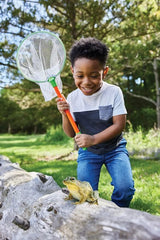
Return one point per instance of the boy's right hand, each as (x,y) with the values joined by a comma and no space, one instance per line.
(62,105)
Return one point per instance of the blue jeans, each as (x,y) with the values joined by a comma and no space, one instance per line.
(118,165)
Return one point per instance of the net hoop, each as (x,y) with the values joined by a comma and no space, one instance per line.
(29,36)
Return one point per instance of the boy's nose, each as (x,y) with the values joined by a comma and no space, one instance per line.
(86,81)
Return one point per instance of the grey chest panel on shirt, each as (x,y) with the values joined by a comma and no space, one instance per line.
(92,122)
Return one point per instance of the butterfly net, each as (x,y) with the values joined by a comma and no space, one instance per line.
(40,56)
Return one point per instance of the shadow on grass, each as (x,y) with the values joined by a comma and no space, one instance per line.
(21,159)
(27,141)
(21,142)
(10,139)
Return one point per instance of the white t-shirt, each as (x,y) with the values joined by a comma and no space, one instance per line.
(94,113)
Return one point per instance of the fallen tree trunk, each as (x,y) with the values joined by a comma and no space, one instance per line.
(32,207)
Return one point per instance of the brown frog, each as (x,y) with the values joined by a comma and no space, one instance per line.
(80,190)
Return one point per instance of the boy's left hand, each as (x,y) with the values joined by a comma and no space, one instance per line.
(84,140)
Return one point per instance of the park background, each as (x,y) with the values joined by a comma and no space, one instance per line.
(30,128)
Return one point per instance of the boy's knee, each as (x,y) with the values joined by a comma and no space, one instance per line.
(123,195)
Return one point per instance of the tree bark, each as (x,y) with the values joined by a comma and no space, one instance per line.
(32,207)
(9,128)
(156,75)
(157,102)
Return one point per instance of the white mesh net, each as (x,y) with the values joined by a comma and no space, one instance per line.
(41,56)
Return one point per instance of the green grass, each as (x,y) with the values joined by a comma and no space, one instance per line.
(33,153)
(32,148)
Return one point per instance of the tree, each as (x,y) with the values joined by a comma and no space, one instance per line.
(130,29)
(138,54)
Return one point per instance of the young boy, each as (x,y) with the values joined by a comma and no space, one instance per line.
(99,111)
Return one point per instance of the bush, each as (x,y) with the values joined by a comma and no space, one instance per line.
(143,143)
(56,135)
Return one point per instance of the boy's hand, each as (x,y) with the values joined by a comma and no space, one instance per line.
(62,105)
(84,140)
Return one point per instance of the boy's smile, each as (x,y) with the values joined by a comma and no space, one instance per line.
(88,75)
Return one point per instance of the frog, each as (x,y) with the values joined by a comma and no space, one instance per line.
(80,190)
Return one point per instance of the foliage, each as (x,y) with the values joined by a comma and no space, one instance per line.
(25,112)
(35,154)
(134,57)
(145,117)
(55,135)
(143,143)
(130,29)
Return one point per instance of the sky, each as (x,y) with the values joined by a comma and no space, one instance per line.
(7,78)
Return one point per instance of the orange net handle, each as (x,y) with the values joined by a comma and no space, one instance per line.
(74,125)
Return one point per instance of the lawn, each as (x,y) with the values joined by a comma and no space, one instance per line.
(33,153)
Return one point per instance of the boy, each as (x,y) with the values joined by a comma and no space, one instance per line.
(99,111)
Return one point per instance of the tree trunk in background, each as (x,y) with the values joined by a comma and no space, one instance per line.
(9,128)
(35,129)
(156,74)
(157,102)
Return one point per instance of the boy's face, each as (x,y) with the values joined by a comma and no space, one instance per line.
(88,75)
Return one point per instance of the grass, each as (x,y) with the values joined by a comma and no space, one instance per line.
(34,153)
(26,149)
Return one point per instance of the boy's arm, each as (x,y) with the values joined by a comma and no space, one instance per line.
(119,121)
(114,130)
(67,127)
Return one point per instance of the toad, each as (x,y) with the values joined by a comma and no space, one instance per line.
(80,190)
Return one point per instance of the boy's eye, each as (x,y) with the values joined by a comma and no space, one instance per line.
(95,76)
(92,76)
(79,76)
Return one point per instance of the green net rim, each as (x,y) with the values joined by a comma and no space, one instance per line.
(52,34)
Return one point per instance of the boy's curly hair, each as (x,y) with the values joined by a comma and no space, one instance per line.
(90,48)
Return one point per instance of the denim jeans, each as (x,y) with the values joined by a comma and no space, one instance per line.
(118,165)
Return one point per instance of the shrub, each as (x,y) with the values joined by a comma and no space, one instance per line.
(56,135)
(143,143)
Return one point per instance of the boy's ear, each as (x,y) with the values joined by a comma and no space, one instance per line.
(72,70)
(105,71)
